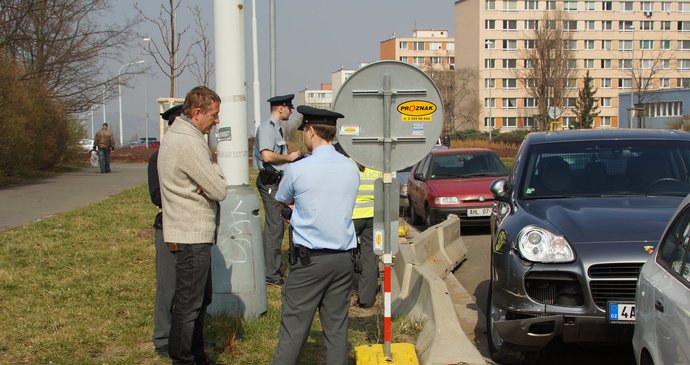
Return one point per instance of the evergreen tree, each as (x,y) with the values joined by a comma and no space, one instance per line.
(586,105)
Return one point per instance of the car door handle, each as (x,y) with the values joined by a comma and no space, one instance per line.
(658,306)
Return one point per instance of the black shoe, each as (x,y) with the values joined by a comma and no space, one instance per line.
(277,282)
(366,305)
(162,351)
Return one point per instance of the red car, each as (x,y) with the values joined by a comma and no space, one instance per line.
(454,181)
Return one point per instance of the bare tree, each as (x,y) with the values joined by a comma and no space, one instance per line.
(64,44)
(202,67)
(466,99)
(165,51)
(548,64)
(445,82)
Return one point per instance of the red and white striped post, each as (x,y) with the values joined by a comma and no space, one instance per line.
(387,267)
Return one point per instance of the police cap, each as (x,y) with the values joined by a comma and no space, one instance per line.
(172,113)
(317,116)
(285,100)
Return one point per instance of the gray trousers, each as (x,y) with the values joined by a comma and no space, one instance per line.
(366,282)
(274,229)
(325,285)
(165,291)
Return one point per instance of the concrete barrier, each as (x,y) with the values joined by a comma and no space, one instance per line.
(418,290)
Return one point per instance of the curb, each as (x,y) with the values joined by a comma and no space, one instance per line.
(419,290)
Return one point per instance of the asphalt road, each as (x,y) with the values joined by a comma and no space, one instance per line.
(473,274)
(41,198)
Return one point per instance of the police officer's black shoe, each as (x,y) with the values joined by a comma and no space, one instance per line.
(163,351)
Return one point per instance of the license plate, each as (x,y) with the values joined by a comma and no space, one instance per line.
(479,212)
(621,312)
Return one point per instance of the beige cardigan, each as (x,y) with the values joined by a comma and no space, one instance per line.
(184,164)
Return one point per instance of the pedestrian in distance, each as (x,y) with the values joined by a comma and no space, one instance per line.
(165,260)
(105,143)
(271,158)
(191,187)
(320,259)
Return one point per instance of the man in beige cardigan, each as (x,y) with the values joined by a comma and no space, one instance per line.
(191,186)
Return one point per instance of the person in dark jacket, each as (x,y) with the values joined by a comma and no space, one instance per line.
(165,260)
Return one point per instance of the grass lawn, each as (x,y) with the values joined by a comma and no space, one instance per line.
(78,288)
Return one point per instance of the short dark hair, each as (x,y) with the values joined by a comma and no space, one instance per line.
(105,124)
(199,97)
(326,132)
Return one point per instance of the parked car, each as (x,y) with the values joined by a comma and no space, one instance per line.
(403,175)
(569,233)
(662,300)
(86,144)
(453,181)
(141,143)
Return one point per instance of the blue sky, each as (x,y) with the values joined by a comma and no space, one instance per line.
(314,38)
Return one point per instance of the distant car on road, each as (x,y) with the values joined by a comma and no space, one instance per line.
(570,232)
(662,300)
(453,181)
(141,143)
(86,144)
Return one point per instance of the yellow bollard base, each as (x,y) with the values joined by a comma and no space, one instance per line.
(401,354)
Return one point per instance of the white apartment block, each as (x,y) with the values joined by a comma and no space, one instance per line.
(609,38)
(426,49)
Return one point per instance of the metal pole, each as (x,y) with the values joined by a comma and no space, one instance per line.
(92,131)
(387,180)
(119,95)
(272,43)
(632,74)
(103,102)
(255,68)
(146,110)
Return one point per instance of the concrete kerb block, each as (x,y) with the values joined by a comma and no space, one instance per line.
(452,245)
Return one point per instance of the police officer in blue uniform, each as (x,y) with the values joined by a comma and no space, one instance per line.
(271,157)
(321,189)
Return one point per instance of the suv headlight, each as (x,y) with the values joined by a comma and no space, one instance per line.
(444,200)
(539,245)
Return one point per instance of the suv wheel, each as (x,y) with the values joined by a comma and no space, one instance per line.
(414,218)
(497,348)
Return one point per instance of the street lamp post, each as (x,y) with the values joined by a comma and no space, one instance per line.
(491,85)
(146,101)
(119,94)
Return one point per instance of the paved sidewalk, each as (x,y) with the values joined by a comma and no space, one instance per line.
(43,198)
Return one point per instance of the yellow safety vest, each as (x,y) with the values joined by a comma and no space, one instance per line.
(364,205)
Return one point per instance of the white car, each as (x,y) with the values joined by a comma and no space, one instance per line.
(662,301)
(86,144)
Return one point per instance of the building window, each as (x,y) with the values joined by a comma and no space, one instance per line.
(606,63)
(589,64)
(510,25)
(489,122)
(665,108)
(646,25)
(570,45)
(490,4)
(531,24)
(625,64)
(509,84)
(646,44)
(489,102)
(684,64)
(418,46)
(510,45)
(625,45)
(665,83)
(450,46)
(606,102)
(509,103)
(626,6)
(590,6)
(570,5)
(529,83)
(665,44)
(571,83)
(605,121)
(684,45)
(589,43)
(572,64)
(570,26)
(551,5)
(435,46)
(624,83)
(509,63)
(530,103)
(646,64)
(451,61)
(490,24)
(490,63)
(607,5)
(684,6)
(510,122)
(605,83)
(665,64)
(665,6)
(530,44)
(647,6)
(490,44)
(528,122)
(590,25)
(606,44)
(665,25)
(403,59)
(436,60)
(490,83)
(684,25)
(510,5)
(528,63)
(683,82)
(606,25)
(417,60)
(569,122)
(403,45)
(625,25)
(531,5)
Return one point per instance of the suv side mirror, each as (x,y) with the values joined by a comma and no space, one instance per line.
(500,189)
(418,176)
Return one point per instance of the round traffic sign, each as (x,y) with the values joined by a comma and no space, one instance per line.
(389,104)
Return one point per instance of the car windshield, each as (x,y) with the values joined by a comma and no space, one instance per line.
(607,168)
(466,165)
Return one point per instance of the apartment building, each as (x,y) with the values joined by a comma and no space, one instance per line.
(610,38)
(426,49)
(321,98)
